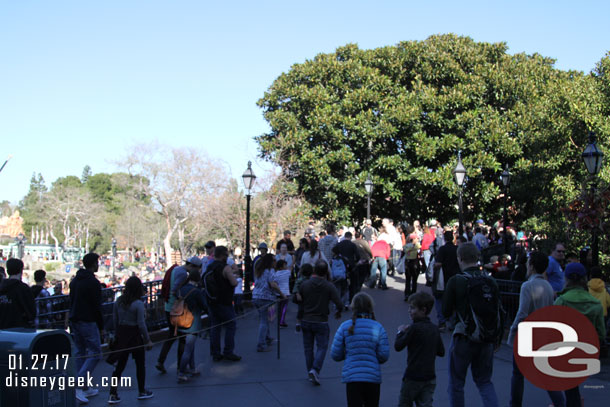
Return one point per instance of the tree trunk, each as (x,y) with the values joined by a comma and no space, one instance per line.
(87,239)
(56,243)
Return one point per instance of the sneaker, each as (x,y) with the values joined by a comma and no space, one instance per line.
(297,327)
(217,358)
(147,394)
(232,357)
(161,368)
(80,396)
(193,372)
(384,287)
(182,378)
(284,325)
(90,392)
(114,399)
(270,341)
(313,375)
(263,349)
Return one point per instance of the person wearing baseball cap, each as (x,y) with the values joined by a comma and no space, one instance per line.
(178,278)
(576,295)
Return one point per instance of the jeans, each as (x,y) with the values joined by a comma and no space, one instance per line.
(427,256)
(87,341)
(382,264)
(263,321)
(168,343)
(516,390)
(573,397)
(318,332)
(479,356)
(361,394)
(341,286)
(188,357)
(438,305)
(417,392)
(395,257)
(220,315)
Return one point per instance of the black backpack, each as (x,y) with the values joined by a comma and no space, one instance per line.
(485,316)
(211,280)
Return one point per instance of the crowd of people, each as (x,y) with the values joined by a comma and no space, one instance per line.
(326,273)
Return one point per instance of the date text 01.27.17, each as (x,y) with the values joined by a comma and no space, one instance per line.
(38,362)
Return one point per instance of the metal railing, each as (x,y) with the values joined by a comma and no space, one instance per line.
(509,294)
(53,311)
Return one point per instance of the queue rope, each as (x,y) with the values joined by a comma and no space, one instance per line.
(103,354)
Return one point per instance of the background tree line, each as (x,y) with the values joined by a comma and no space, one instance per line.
(172,198)
(401,113)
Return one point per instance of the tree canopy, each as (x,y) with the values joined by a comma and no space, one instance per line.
(401,113)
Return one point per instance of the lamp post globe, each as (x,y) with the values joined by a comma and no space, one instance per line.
(459,172)
(593,158)
(368,186)
(249,178)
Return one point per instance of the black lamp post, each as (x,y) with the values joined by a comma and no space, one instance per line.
(20,239)
(368,186)
(113,256)
(248,178)
(459,172)
(506,182)
(593,158)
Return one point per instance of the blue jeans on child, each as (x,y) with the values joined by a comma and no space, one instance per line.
(188,356)
(479,356)
(317,332)
(263,321)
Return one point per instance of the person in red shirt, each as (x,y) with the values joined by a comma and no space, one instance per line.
(427,240)
(381,253)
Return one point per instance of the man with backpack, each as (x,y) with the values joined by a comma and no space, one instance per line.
(475,298)
(177,277)
(219,284)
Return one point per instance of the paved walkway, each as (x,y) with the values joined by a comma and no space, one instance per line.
(260,379)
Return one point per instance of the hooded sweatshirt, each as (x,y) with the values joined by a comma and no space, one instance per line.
(597,288)
(580,299)
(17,307)
(86,298)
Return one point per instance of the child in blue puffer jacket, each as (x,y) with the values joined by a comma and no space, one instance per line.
(363,344)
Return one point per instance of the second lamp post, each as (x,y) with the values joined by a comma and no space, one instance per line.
(593,157)
(248,177)
(506,182)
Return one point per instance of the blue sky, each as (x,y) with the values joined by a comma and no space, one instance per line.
(81,82)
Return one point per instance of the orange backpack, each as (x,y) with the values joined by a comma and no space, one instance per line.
(180,316)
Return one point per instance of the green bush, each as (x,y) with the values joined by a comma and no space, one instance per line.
(52,266)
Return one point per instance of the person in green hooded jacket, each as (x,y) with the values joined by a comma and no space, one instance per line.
(576,295)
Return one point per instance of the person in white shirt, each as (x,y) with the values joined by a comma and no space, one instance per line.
(282,277)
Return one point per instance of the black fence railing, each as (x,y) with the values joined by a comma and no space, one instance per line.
(53,311)
(509,294)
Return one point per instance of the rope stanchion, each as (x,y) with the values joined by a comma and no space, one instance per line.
(103,354)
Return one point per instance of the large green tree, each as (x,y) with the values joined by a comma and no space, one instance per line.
(400,114)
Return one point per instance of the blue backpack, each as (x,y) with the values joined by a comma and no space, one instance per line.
(337,269)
